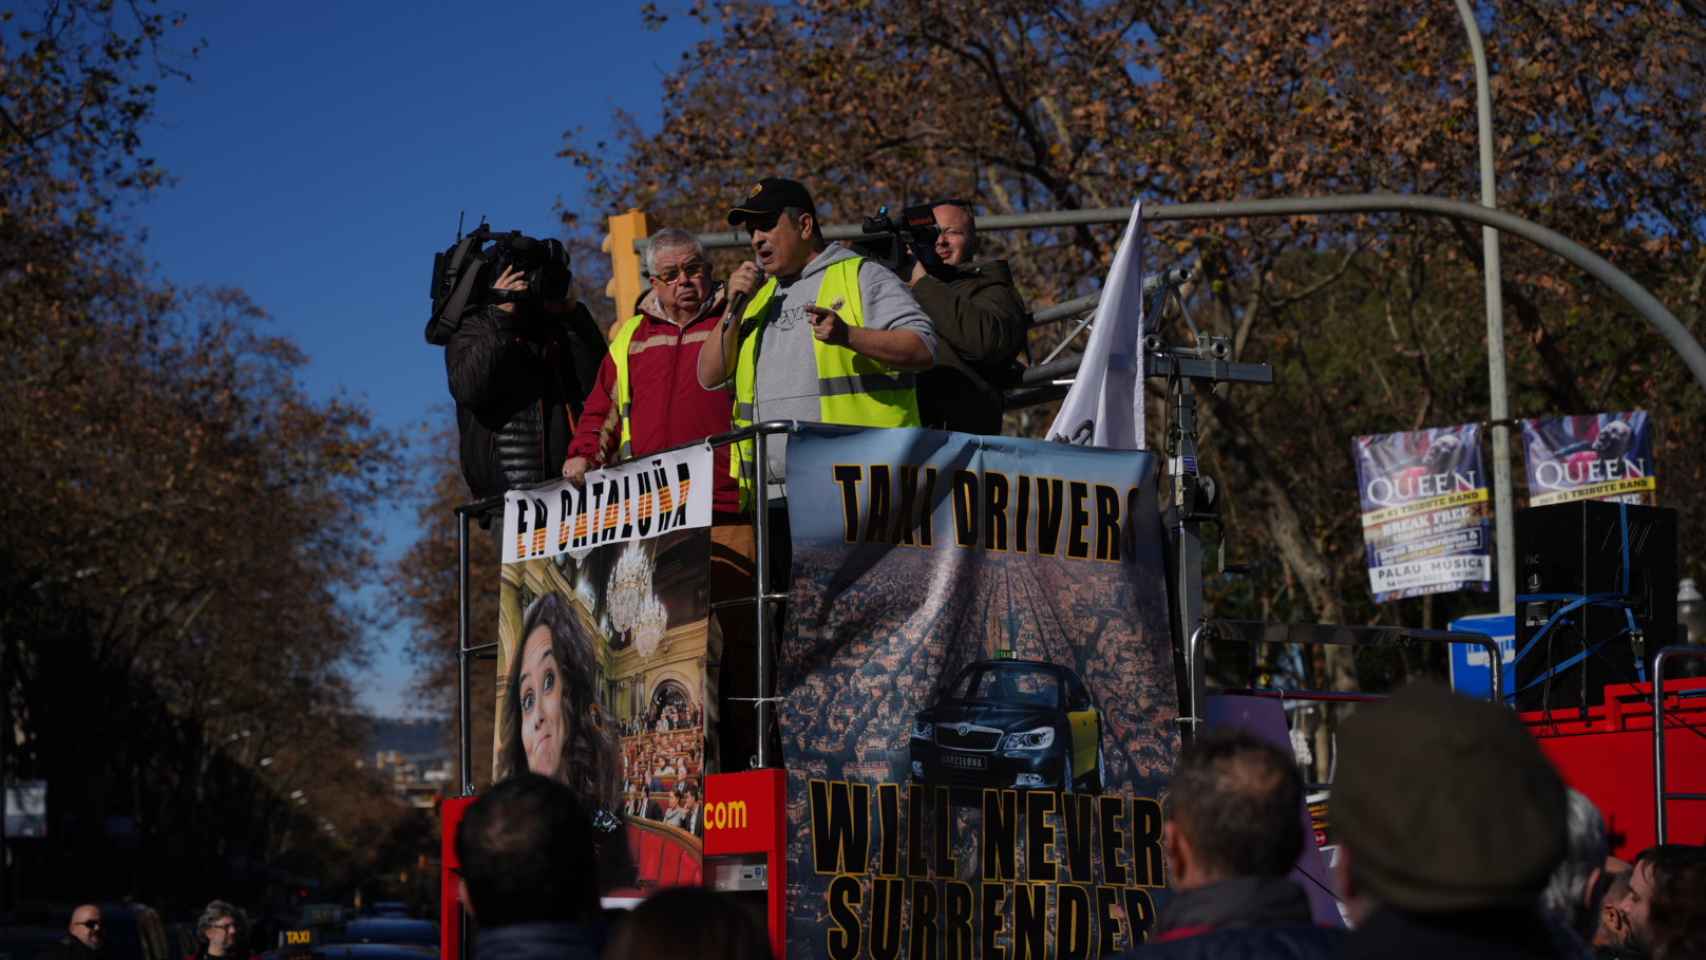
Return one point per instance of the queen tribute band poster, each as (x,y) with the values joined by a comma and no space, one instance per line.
(1426,511)
(1601,456)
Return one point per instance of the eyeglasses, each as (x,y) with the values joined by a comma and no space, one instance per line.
(691,271)
(763,221)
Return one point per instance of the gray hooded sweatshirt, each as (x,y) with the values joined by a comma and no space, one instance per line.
(786,378)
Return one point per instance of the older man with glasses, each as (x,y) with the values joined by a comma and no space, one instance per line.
(219,931)
(647,398)
(84,937)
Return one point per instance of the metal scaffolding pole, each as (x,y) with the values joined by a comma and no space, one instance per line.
(1636,296)
(1498,400)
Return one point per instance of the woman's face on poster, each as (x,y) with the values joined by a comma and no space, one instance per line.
(543,726)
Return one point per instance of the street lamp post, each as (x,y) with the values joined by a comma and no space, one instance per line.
(1498,407)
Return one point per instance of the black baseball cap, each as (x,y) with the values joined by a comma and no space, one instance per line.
(772,195)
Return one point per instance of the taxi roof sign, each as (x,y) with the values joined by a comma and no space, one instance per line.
(1004,655)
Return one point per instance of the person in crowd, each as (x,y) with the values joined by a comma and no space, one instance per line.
(1450,823)
(1570,897)
(219,930)
(1231,833)
(518,372)
(1654,876)
(553,724)
(85,937)
(686,812)
(689,922)
(829,336)
(1677,915)
(528,872)
(1613,937)
(980,324)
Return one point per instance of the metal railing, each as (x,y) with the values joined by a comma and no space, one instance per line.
(1309,634)
(1661,793)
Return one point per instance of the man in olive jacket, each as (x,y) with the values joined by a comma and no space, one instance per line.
(980,326)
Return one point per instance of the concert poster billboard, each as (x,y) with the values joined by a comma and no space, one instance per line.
(1601,456)
(1426,513)
(979,697)
(604,646)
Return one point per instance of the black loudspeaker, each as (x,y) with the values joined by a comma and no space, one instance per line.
(1591,548)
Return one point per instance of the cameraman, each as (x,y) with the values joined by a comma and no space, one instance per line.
(520,367)
(980,326)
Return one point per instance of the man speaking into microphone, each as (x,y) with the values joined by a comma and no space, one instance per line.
(829,336)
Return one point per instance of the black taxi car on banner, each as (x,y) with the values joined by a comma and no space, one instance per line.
(1011,724)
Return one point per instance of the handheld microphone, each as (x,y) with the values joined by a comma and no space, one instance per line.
(737,304)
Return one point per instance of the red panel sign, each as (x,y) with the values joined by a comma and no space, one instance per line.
(744,812)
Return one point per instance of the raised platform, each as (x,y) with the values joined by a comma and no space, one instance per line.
(1608,755)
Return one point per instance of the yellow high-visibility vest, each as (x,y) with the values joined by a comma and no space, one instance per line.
(624,390)
(852,389)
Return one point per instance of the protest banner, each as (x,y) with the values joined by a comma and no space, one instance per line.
(604,647)
(980,701)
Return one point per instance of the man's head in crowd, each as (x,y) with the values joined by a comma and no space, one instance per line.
(680,273)
(218,926)
(783,221)
(1652,879)
(1614,929)
(689,922)
(1569,895)
(1677,916)
(956,232)
(1232,809)
(86,926)
(526,848)
(1444,804)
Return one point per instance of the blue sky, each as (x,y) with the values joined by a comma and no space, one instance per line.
(322,152)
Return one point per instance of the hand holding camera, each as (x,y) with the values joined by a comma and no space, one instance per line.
(513,282)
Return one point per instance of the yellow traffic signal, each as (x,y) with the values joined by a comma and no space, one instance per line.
(625,281)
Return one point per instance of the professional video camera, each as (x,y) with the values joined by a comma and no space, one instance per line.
(898,245)
(463,274)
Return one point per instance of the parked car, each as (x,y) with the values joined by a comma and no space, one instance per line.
(1011,724)
(388,930)
(354,951)
(25,941)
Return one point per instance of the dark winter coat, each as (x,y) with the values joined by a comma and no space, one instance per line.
(69,948)
(519,380)
(540,941)
(980,331)
(1245,917)
(1481,935)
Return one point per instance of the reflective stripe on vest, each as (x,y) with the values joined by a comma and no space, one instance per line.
(624,390)
(852,389)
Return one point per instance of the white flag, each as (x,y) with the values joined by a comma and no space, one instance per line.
(1104,408)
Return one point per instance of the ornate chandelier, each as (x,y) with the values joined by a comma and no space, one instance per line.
(633,604)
